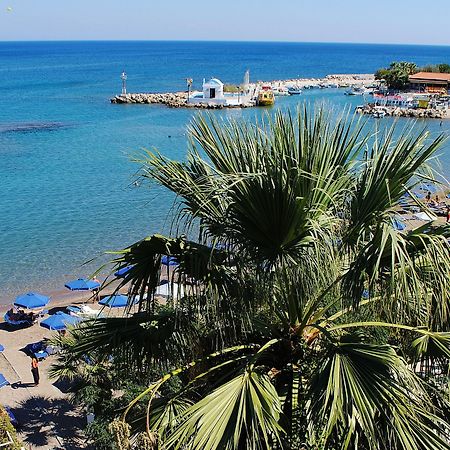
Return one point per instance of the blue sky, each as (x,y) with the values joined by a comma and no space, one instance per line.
(384,21)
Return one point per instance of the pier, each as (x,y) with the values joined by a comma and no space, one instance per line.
(180,99)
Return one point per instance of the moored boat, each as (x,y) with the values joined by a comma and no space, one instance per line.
(294,90)
(265,96)
(280,91)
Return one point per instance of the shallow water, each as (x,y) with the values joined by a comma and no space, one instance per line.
(66,173)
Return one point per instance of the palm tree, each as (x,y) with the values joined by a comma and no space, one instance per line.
(305,312)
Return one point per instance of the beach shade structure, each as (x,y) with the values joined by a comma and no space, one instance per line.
(31,301)
(122,272)
(169,260)
(429,187)
(1,348)
(398,224)
(3,381)
(82,284)
(114,301)
(59,321)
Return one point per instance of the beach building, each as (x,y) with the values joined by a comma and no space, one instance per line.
(213,94)
(430,82)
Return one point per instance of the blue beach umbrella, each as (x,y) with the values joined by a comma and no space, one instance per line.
(59,321)
(114,301)
(1,348)
(169,261)
(82,285)
(418,195)
(31,300)
(429,187)
(122,272)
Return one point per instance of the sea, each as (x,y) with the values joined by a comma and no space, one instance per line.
(68,190)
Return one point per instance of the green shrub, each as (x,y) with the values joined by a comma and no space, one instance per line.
(8,432)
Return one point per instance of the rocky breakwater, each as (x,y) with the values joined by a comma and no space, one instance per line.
(170,99)
(416,113)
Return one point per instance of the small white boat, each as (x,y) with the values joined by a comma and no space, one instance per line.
(280,91)
(294,90)
(355,91)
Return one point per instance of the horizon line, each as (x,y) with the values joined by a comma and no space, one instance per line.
(225,41)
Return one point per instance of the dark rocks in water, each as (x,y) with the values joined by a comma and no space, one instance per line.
(31,127)
(393,111)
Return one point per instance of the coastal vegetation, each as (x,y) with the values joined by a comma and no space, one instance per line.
(8,436)
(303,318)
(397,74)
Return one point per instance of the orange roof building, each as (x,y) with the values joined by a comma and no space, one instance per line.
(431,82)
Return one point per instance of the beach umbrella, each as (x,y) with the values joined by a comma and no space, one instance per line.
(114,301)
(122,272)
(428,187)
(82,284)
(59,321)
(32,300)
(1,348)
(169,260)
(418,195)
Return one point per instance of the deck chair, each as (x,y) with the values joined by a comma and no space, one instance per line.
(3,381)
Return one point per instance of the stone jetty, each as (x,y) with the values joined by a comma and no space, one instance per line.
(179,99)
(170,99)
(429,113)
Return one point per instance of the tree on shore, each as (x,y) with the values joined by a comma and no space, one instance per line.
(303,318)
(397,74)
(438,68)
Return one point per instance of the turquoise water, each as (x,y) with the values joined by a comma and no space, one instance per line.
(66,174)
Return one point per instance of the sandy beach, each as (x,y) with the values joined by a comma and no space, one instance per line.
(47,420)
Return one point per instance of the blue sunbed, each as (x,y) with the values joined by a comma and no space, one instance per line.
(3,381)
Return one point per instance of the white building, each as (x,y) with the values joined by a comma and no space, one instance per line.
(213,94)
(213,89)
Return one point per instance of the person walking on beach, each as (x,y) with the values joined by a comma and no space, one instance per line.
(35,370)
(96,291)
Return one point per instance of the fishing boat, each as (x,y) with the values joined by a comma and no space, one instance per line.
(265,96)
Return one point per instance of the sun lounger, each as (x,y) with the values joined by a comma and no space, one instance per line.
(84,311)
(424,217)
(3,381)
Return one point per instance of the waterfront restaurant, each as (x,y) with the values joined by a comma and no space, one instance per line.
(430,82)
